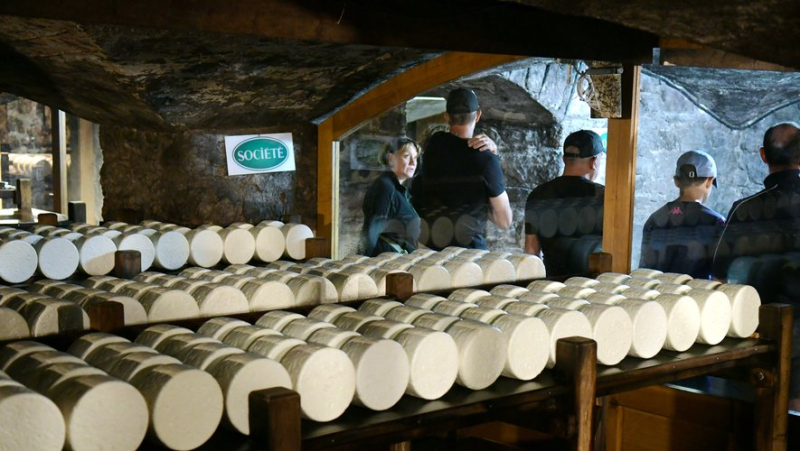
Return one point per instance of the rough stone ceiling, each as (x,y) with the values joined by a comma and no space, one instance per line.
(210,65)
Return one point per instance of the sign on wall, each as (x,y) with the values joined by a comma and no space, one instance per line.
(254,154)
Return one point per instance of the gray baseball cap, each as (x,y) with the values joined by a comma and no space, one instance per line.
(696,164)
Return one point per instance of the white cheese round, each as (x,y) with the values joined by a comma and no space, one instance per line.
(611,288)
(48,376)
(325,379)
(277,319)
(87,343)
(497,270)
(715,315)
(429,278)
(703,284)
(405,314)
(217,328)
(216,299)
(129,365)
(171,249)
(18,261)
(649,321)
(239,245)
(329,312)
(177,344)
(11,352)
(296,236)
(274,346)
(566,303)
(164,304)
(527,266)
(612,329)
(482,352)
(53,316)
(467,295)
(604,298)
(304,327)
(583,282)
(205,248)
(353,286)
(384,329)
(547,286)
(96,254)
(267,294)
(673,277)
(525,308)
(354,321)
(683,321)
(528,345)
(424,300)
(745,303)
(636,282)
(270,242)
(575,292)
(382,371)
(378,306)
(641,293)
(497,302)
(30,421)
(154,335)
(138,242)
(244,336)
(312,290)
(107,356)
(484,315)
(453,308)
(463,273)
(331,336)
(432,359)
(14,325)
(618,278)
(563,323)
(646,273)
(435,321)
(204,355)
(509,291)
(194,272)
(673,288)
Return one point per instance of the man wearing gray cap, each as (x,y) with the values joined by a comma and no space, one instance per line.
(679,236)
(460,181)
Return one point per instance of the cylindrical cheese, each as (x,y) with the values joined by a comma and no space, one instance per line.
(304,327)
(433,361)
(274,346)
(217,328)
(575,292)
(646,273)
(715,314)
(423,300)
(527,266)
(267,294)
(205,247)
(510,291)
(270,243)
(329,312)
(30,420)
(331,336)
(204,355)
(563,323)
(467,295)
(86,344)
(296,236)
(649,321)
(277,319)
(616,278)
(463,273)
(745,303)
(528,345)
(604,298)
(498,302)
(673,288)
(137,242)
(239,245)
(96,254)
(683,321)
(453,308)
(497,270)
(673,277)
(172,249)
(482,353)
(382,371)
(154,335)
(245,335)
(325,379)
(612,329)
(58,257)
(547,286)
(18,261)
(378,306)
(13,325)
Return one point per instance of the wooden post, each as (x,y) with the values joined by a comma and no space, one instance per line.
(59,133)
(600,262)
(772,396)
(576,362)
(400,285)
(106,316)
(317,247)
(325,188)
(24,199)
(83,174)
(47,219)
(621,174)
(127,264)
(274,416)
(77,211)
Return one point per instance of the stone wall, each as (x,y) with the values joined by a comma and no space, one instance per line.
(182,178)
(669,125)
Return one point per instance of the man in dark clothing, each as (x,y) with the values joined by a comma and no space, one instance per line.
(680,236)
(564,217)
(760,243)
(460,183)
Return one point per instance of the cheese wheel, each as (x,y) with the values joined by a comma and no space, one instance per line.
(20,301)
(11,352)
(299,268)
(62,290)
(96,254)
(353,286)
(164,304)
(195,272)
(641,293)
(478,253)
(703,284)
(482,314)
(129,365)
(27,368)
(235,280)
(101,412)
(617,278)
(86,344)
(302,328)
(41,286)
(525,308)
(187,285)
(496,302)
(683,321)
(48,376)
(241,374)
(137,242)
(463,273)
(320,261)
(296,236)
(355,320)
(114,225)
(18,261)
(177,344)
(216,299)
(270,274)
(147,276)
(423,252)
(154,335)
(562,323)
(566,303)
(745,303)
(205,247)
(14,325)
(435,321)
(453,308)
(237,269)
(266,294)
(467,295)
(171,249)
(612,329)
(604,298)
(673,288)
(218,328)
(331,336)
(482,353)
(274,346)
(325,379)
(673,277)
(270,243)
(239,245)
(381,371)
(281,265)
(547,286)
(423,300)
(497,270)
(441,231)
(527,266)
(384,329)
(378,306)
(452,250)
(52,316)
(575,292)
(329,312)
(397,265)
(312,290)
(212,227)
(30,420)
(583,282)
(96,281)
(432,361)
(715,315)
(277,319)
(338,265)
(528,345)
(115,285)
(185,404)
(204,355)
(429,278)
(509,291)
(636,282)
(649,321)
(405,314)
(107,356)
(646,273)
(611,288)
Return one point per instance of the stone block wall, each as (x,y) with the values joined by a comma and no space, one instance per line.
(182,178)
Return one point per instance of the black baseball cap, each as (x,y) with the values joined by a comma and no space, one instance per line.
(587,142)
(461,101)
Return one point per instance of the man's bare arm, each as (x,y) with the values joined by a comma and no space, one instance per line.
(532,245)
(500,211)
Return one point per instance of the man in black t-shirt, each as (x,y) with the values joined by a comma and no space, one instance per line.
(680,236)
(564,217)
(460,182)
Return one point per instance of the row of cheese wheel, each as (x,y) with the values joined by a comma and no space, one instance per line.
(58,253)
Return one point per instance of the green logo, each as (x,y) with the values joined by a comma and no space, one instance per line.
(260,153)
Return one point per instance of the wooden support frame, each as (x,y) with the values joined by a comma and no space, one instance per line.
(59,134)
(621,174)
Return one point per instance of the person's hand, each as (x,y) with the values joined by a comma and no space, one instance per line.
(482,143)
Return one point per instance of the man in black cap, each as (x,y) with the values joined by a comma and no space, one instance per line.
(563,217)
(460,181)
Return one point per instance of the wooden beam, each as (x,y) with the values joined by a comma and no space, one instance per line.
(325,188)
(59,134)
(486,27)
(677,52)
(621,174)
(83,174)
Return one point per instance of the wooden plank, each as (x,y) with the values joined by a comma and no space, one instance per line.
(106,316)
(772,401)
(59,136)
(621,174)
(275,419)
(24,200)
(400,285)
(679,52)
(317,247)
(576,361)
